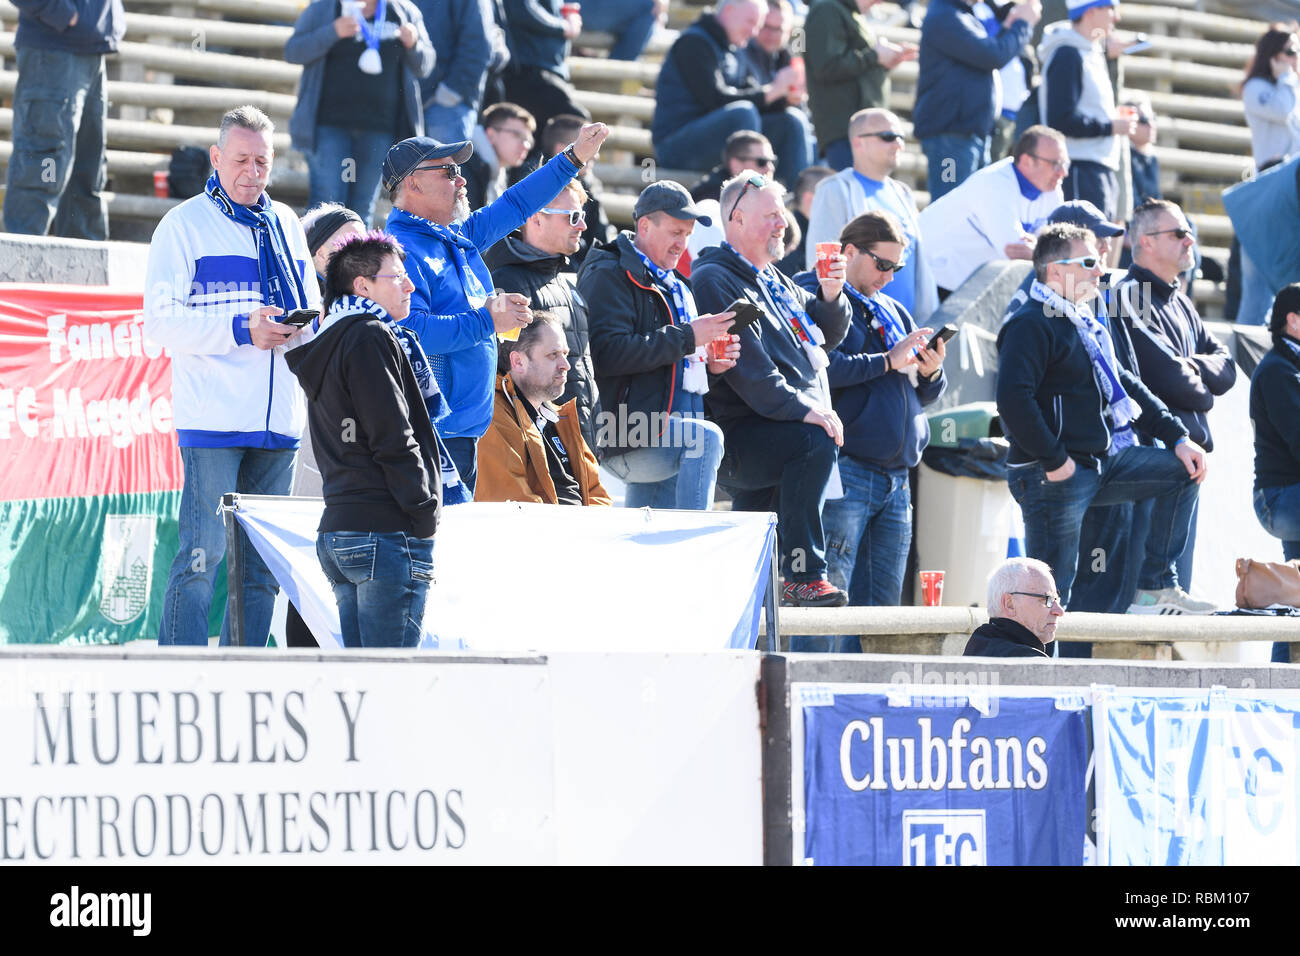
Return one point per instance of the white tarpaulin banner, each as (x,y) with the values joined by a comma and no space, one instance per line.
(522,577)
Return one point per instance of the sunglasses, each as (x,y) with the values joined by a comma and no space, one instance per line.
(1180,233)
(453,170)
(576,216)
(889,136)
(758,182)
(1291,51)
(1088,262)
(884,265)
(767,162)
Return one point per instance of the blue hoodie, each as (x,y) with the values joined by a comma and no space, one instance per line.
(884,425)
(456,331)
(43,25)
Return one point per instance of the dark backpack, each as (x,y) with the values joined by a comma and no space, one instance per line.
(188,172)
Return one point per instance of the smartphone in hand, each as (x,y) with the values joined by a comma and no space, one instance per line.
(943,335)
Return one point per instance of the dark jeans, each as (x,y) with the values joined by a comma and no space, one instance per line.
(209,474)
(1054,510)
(951,160)
(57,169)
(542,93)
(1095,183)
(631,21)
(464,452)
(1278,510)
(698,144)
(868,534)
(381,583)
(345,168)
(793,459)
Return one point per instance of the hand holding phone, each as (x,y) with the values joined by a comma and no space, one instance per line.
(300,317)
(943,335)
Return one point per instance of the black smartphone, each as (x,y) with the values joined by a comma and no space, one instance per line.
(943,335)
(300,317)
(747,312)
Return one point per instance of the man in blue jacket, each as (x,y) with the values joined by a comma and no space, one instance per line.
(56,173)
(956,95)
(453,310)
(1072,421)
(453,92)
(881,376)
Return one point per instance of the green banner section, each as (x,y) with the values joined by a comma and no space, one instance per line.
(89,570)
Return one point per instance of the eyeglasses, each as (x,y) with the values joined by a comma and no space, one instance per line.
(1291,51)
(884,265)
(517,134)
(767,162)
(1047,599)
(758,182)
(453,170)
(1062,164)
(1088,262)
(1180,233)
(576,216)
(399,276)
(889,136)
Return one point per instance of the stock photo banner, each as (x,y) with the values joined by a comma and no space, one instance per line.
(909,777)
(89,497)
(1202,778)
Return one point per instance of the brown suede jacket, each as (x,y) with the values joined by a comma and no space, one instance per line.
(512,459)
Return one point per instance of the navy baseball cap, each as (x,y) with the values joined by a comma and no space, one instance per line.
(403,157)
(1080,212)
(670,197)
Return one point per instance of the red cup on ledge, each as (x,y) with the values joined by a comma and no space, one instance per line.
(932,588)
(826,251)
(160,181)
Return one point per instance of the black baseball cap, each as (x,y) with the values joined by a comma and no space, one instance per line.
(670,197)
(403,157)
(1080,212)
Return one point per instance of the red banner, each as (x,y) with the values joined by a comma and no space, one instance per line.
(85,398)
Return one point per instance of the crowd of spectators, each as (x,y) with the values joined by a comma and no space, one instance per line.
(717,343)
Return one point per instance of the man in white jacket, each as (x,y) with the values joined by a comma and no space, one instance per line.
(225,268)
(994,213)
(876,140)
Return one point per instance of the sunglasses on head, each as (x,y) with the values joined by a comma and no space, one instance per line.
(1180,232)
(758,182)
(453,170)
(884,265)
(576,216)
(1088,262)
(889,136)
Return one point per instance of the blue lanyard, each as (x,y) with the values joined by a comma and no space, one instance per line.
(891,327)
(369,33)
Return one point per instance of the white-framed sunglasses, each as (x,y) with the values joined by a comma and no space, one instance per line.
(576,216)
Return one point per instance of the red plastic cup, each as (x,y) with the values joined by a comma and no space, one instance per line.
(826,251)
(717,348)
(160,188)
(932,588)
(570,9)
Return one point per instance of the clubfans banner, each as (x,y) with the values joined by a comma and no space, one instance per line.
(890,776)
(1206,778)
(92,478)
(520,577)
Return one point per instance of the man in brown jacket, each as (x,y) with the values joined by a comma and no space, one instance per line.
(534,451)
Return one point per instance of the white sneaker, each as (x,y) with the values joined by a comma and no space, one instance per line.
(1169,601)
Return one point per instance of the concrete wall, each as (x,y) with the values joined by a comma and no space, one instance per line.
(42,259)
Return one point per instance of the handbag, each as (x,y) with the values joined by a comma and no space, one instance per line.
(1264,583)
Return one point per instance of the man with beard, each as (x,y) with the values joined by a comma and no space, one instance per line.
(452,309)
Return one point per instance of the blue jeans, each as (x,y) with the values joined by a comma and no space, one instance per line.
(209,474)
(632,21)
(698,144)
(1278,510)
(381,583)
(680,472)
(57,168)
(951,159)
(1054,510)
(791,462)
(464,452)
(868,534)
(345,168)
(449,124)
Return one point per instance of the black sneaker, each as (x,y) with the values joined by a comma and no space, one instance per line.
(819,593)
